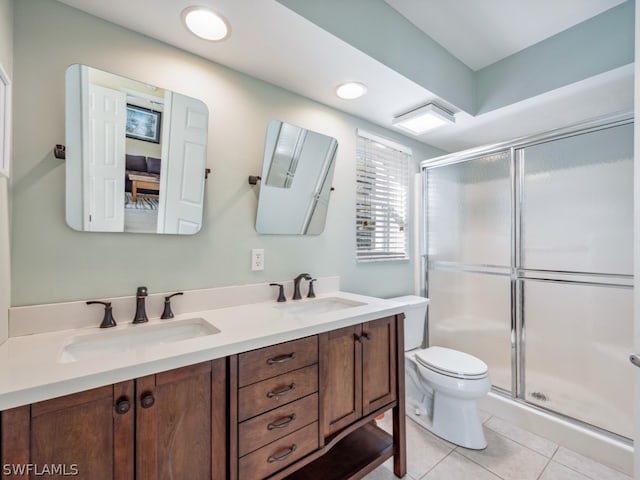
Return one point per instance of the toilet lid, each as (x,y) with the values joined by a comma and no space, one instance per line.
(451,362)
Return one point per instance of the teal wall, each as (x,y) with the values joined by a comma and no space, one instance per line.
(597,45)
(51,262)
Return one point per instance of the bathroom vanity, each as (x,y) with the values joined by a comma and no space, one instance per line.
(300,405)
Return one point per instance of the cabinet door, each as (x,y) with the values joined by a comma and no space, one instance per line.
(181,423)
(340,378)
(88,434)
(378,364)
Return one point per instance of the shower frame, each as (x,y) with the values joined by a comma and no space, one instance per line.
(517,273)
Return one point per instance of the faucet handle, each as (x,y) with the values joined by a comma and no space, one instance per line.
(167,313)
(108,320)
(311,293)
(281,297)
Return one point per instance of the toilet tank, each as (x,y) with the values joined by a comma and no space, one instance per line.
(415,319)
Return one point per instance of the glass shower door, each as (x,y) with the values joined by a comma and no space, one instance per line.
(469,260)
(576,197)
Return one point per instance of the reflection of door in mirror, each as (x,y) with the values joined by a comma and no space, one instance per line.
(136,155)
(180,209)
(103,159)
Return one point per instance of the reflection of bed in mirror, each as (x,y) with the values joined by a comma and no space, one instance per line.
(148,181)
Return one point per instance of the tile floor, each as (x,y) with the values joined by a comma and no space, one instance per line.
(512,454)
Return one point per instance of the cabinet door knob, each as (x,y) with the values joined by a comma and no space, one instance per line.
(277,458)
(281,358)
(284,391)
(147,400)
(361,338)
(283,423)
(123,406)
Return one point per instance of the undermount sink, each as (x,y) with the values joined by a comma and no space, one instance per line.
(319,305)
(86,346)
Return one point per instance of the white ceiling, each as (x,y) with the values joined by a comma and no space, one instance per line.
(270,42)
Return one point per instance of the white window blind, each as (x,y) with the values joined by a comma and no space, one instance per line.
(382,178)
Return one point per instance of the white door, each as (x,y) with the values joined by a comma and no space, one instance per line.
(104,154)
(181,202)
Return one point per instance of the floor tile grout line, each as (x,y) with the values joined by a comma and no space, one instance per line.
(590,459)
(437,463)
(526,446)
(479,464)
(544,469)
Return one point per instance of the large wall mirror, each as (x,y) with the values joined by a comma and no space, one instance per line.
(297,171)
(135,155)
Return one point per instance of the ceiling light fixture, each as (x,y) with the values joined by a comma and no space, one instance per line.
(351,90)
(424,118)
(206,24)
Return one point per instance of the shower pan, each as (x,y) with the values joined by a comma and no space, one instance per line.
(528,265)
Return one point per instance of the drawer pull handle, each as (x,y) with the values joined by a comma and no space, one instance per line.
(278,458)
(285,422)
(281,358)
(284,391)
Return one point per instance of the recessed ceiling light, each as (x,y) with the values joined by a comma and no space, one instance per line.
(206,24)
(351,90)
(422,119)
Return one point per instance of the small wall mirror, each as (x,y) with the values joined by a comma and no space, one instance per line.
(297,171)
(135,155)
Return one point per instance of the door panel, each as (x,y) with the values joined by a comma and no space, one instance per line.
(471,312)
(181,199)
(588,179)
(469,211)
(105,143)
(576,352)
(341,375)
(79,434)
(378,364)
(179,431)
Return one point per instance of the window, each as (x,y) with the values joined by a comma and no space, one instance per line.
(382,178)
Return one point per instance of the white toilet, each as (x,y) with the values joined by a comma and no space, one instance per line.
(442,385)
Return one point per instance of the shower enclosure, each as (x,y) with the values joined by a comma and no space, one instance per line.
(528,266)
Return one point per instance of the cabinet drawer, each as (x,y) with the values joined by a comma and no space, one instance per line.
(271,426)
(274,392)
(268,362)
(279,454)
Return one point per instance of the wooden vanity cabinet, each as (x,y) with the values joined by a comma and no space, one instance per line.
(79,433)
(358,373)
(168,425)
(274,408)
(330,434)
(299,410)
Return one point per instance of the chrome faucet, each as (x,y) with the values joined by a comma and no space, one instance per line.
(141,314)
(296,285)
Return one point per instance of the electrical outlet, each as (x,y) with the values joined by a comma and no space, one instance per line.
(257,259)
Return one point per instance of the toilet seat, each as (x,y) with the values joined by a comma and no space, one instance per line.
(452,363)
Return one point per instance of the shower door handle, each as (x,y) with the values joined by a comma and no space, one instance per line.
(635,359)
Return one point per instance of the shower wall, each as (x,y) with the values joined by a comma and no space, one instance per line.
(529,267)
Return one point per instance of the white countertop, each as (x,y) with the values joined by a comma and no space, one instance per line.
(30,370)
